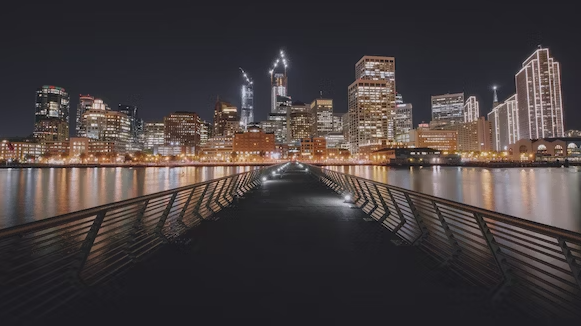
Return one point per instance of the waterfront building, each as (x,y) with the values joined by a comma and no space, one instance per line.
(226,120)
(444,140)
(336,140)
(473,136)
(371,101)
(504,122)
(182,128)
(313,148)
(447,109)
(322,113)
(546,149)
(539,97)
(51,114)
(218,148)
(255,143)
(472,109)
(85,103)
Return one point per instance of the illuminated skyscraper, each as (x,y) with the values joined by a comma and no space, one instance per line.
(85,104)
(51,114)
(447,109)
(471,109)
(322,113)
(278,81)
(403,120)
(504,123)
(247,110)
(372,102)
(538,97)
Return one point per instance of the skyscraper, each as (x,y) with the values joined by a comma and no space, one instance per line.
(278,81)
(51,114)
(85,103)
(403,120)
(538,97)
(136,141)
(504,124)
(322,113)
(471,109)
(226,120)
(371,102)
(447,109)
(247,109)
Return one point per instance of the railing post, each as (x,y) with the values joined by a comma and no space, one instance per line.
(210,198)
(217,198)
(365,199)
(419,220)
(240,184)
(448,232)
(196,209)
(384,205)
(163,217)
(398,210)
(136,228)
(575,268)
(509,279)
(186,205)
(371,197)
(87,245)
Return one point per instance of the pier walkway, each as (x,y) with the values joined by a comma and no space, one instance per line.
(291,252)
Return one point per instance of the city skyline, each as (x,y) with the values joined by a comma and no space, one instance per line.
(190,89)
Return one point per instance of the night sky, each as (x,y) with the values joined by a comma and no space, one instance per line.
(165,58)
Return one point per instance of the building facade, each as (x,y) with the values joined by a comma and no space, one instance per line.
(226,120)
(247,106)
(403,120)
(504,121)
(182,128)
(322,113)
(153,134)
(538,97)
(51,114)
(447,109)
(471,109)
(253,143)
(371,101)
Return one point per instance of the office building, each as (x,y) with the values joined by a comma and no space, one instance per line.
(447,109)
(51,114)
(472,109)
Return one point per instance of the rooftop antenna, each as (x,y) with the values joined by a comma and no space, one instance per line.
(321,94)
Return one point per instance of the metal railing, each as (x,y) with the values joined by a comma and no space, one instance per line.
(46,263)
(533,266)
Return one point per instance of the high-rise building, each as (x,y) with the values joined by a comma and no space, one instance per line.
(100,123)
(278,80)
(85,104)
(247,108)
(538,97)
(136,141)
(153,134)
(338,122)
(300,121)
(447,109)
(403,120)
(322,113)
(504,121)
(182,128)
(471,109)
(372,102)
(205,132)
(51,114)
(226,120)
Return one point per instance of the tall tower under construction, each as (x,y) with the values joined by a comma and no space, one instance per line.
(247,105)
(278,81)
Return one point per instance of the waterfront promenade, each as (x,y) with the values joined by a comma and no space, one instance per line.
(290,252)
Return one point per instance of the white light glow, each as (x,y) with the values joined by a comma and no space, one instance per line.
(263,179)
(347,198)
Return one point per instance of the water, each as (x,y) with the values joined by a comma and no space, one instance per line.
(32,194)
(546,195)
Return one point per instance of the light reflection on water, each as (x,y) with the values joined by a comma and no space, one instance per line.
(32,194)
(546,195)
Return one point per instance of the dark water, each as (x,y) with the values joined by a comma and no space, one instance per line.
(546,195)
(32,194)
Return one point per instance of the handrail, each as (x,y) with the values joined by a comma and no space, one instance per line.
(521,263)
(46,263)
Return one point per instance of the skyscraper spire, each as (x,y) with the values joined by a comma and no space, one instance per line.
(495,96)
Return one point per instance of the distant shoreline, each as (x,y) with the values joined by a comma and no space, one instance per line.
(46,166)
